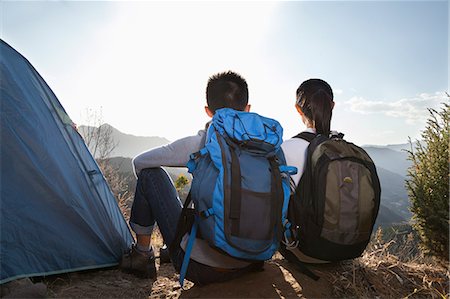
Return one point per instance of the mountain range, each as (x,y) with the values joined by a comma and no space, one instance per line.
(390,159)
(391,162)
(127,145)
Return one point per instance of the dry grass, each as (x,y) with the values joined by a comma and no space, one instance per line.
(382,273)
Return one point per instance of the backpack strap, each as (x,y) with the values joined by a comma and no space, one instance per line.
(308,136)
(187,254)
(288,255)
(277,196)
(236,190)
(185,223)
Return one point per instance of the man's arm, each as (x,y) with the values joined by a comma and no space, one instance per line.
(175,154)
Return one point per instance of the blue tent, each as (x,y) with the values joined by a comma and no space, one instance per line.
(57,213)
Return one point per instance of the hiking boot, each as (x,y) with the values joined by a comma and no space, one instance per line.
(139,264)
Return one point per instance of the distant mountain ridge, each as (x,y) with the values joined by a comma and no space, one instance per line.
(395,147)
(392,160)
(401,147)
(128,145)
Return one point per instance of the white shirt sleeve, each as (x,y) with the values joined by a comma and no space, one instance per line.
(175,154)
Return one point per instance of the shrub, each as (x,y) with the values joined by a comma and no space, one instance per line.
(428,184)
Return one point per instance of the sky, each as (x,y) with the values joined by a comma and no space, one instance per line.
(144,65)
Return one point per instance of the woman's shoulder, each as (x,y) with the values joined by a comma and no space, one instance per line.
(296,140)
(294,143)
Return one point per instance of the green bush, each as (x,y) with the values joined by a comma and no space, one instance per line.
(181,182)
(428,184)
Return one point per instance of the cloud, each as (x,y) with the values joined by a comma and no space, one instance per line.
(338,91)
(413,110)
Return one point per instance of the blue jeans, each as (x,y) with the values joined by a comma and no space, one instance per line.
(156,200)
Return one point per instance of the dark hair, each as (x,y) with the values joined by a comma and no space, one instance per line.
(315,98)
(226,90)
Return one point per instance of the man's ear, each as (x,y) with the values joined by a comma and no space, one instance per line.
(247,108)
(299,110)
(332,105)
(209,112)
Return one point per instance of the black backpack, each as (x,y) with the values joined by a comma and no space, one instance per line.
(336,202)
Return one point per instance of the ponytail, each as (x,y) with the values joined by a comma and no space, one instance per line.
(315,98)
(321,109)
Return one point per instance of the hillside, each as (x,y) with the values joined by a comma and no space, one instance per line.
(393,193)
(387,217)
(392,160)
(392,164)
(127,145)
(379,273)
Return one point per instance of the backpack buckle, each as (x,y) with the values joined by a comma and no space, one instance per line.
(335,134)
(196,155)
(291,170)
(289,241)
(191,164)
(206,213)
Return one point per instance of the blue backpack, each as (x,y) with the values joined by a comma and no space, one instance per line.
(240,187)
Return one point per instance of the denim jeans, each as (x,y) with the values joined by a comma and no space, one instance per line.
(156,200)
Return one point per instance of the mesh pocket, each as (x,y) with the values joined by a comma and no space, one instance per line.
(256,216)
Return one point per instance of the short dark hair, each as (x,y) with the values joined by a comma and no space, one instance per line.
(226,90)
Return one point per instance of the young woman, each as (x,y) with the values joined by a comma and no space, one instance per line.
(314,104)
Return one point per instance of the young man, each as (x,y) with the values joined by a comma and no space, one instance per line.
(156,199)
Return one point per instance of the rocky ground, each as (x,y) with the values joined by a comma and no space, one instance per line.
(278,280)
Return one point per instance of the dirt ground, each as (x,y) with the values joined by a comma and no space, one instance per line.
(377,274)
(278,280)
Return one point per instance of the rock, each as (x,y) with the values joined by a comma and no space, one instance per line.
(23,288)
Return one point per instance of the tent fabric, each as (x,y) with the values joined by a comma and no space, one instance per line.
(57,213)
